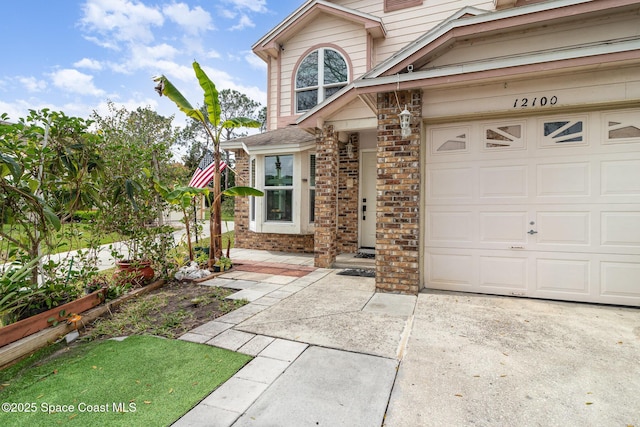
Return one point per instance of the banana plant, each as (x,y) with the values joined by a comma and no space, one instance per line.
(214,127)
(181,197)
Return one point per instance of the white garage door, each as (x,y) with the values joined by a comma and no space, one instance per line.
(545,207)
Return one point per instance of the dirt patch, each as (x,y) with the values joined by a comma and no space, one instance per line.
(169,311)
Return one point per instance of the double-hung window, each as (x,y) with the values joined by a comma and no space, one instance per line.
(278,183)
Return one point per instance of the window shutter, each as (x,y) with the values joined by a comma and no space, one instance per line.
(391,5)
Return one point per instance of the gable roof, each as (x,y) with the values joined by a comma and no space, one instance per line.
(270,43)
(393,74)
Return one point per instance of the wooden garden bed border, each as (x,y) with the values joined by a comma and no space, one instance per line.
(17,350)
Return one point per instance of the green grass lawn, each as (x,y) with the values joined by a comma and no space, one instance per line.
(82,230)
(141,381)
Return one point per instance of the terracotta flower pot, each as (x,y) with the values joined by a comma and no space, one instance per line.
(139,273)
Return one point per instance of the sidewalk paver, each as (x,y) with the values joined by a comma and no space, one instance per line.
(325,387)
(231,339)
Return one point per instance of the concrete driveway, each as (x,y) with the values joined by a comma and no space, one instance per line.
(499,361)
(439,359)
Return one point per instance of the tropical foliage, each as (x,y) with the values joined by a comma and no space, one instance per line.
(215,125)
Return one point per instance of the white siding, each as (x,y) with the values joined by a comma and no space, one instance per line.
(272,102)
(406,25)
(548,38)
(325,30)
(580,89)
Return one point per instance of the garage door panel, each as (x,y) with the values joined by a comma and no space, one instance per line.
(620,178)
(452,271)
(453,183)
(546,206)
(506,273)
(564,276)
(503,181)
(563,228)
(504,227)
(449,226)
(564,180)
(620,229)
(620,281)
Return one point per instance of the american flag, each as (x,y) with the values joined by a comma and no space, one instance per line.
(204,173)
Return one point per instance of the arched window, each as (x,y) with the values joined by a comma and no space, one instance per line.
(320,74)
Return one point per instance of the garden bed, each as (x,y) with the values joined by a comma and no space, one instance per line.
(170,309)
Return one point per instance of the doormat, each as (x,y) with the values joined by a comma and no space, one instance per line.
(360,272)
(365,255)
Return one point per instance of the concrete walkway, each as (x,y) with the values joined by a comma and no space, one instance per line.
(330,351)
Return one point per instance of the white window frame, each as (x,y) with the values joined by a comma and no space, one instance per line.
(320,87)
(300,197)
(269,188)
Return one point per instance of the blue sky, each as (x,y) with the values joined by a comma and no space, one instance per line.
(75,55)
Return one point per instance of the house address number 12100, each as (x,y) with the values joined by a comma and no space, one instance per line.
(543,101)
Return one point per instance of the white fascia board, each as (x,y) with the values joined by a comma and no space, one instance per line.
(336,96)
(513,61)
(235,144)
(454,21)
(285,23)
(279,148)
(291,19)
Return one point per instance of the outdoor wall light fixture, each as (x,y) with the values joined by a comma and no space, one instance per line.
(349,150)
(405,122)
(405,115)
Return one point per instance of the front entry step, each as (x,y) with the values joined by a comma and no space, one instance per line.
(354,261)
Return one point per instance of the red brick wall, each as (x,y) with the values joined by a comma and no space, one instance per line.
(348,183)
(398,201)
(326,198)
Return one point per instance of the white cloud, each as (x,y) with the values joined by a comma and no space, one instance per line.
(107,44)
(194,21)
(91,64)
(226,13)
(120,20)
(245,22)
(259,6)
(212,54)
(255,62)
(31,84)
(75,82)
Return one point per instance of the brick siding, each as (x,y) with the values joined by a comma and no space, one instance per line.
(398,200)
(326,198)
(348,184)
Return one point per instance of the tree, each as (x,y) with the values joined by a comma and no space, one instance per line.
(214,125)
(49,167)
(262,118)
(236,104)
(136,146)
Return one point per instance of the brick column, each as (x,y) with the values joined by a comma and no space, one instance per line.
(348,197)
(398,199)
(325,244)
(241,210)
